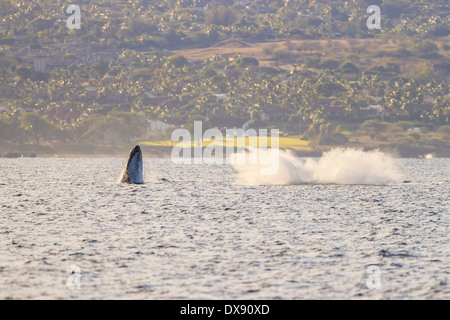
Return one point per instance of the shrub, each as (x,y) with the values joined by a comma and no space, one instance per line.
(312,62)
(372,127)
(178,61)
(405,125)
(245,62)
(329,63)
(329,89)
(395,53)
(444,129)
(142,73)
(282,54)
(417,136)
(348,67)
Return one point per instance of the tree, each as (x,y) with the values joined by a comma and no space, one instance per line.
(350,102)
(101,67)
(172,37)
(102,127)
(40,24)
(6,64)
(178,61)
(117,126)
(8,131)
(441,106)
(245,62)
(24,73)
(422,72)
(220,15)
(330,89)
(136,125)
(406,100)
(37,126)
(6,8)
(197,117)
(329,63)
(425,48)
(348,67)
(308,112)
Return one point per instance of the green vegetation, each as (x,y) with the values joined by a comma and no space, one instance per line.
(309,68)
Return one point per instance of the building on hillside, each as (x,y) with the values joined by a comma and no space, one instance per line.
(335,113)
(67,115)
(40,63)
(153,100)
(10,92)
(157,126)
(223,123)
(219,98)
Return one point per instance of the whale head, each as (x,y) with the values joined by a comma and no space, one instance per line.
(132,173)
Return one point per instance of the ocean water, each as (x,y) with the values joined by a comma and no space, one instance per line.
(68,230)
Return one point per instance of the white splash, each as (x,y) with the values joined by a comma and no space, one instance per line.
(338,166)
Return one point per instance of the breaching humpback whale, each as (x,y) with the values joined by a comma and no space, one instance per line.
(132,173)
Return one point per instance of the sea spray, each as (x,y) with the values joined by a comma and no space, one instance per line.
(338,166)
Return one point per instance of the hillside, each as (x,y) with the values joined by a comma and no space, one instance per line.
(136,70)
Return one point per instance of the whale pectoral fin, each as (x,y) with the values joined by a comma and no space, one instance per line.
(124,178)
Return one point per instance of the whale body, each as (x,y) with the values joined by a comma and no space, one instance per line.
(133,170)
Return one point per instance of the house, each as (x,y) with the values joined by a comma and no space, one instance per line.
(373,107)
(60,16)
(271,114)
(79,81)
(60,93)
(113,97)
(367,114)
(153,100)
(229,123)
(369,91)
(7,91)
(219,98)
(69,116)
(174,121)
(372,112)
(156,126)
(111,80)
(186,98)
(40,63)
(335,112)
(91,91)
(326,102)
(395,22)
(74,115)
(40,94)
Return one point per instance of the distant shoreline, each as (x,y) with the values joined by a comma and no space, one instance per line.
(165,152)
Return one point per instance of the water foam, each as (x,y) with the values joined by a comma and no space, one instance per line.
(338,166)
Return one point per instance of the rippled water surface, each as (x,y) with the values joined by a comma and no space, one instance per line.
(68,230)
